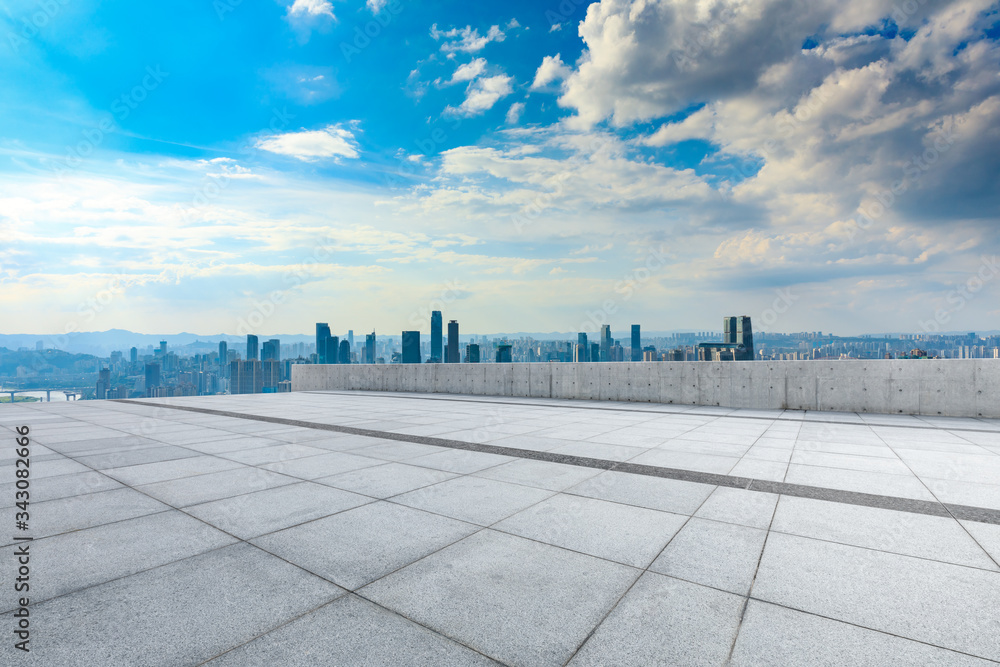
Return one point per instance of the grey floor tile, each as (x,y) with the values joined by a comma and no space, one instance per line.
(384,481)
(355,632)
(772,471)
(231,442)
(747,508)
(851,462)
(596,450)
(149,473)
(720,555)
(938,603)
(390,450)
(775,636)
(459,460)
(934,537)
(669,495)
(53,517)
(665,621)
(43,469)
(215,486)
(623,533)
(474,499)
(83,558)
(664,458)
(528,441)
(272,454)
(358,546)
(877,483)
(324,465)
(63,486)
(214,601)
(255,514)
(515,600)
(987,535)
(540,474)
(131,457)
(965,493)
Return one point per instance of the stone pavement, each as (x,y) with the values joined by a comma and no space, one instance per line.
(338,528)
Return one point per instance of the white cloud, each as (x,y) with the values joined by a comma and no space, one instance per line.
(482,94)
(513,24)
(376,5)
(551,69)
(333,142)
(311,9)
(514,113)
(466,39)
(469,71)
(555,27)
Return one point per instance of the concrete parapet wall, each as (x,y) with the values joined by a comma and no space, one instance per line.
(946,387)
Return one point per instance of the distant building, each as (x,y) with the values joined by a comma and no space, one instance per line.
(271,350)
(252,349)
(103,383)
(345,352)
(736,345)
(133,356)
(595,352)
(350,338)
(452,354)
(223,358)
(245,377)
(152,377)
(436,344)
(322,335)
(503,353)
(472,353)
(581,342)
(332,352)
(163,348)
(370,348)
(636,344)
(605,343)
(270,375)
(411,347)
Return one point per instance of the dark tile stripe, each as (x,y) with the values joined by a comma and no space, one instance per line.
(979,514)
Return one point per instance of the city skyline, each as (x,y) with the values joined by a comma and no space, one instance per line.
(509,159)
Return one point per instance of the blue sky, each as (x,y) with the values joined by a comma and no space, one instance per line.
(534,166)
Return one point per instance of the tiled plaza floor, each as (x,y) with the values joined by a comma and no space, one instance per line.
(343,528)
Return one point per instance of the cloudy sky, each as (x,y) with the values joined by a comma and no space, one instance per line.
(523,166)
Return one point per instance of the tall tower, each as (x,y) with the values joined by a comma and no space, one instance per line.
(581,339)
(452,357)
(605,342)
(370,348)
(251,347)
(636,344)
(322,335)
(332,352)
(435,336)
(411,347)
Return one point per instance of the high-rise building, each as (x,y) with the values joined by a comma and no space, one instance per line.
(503,353)
(472,353)
(322,335)
(411,347)
(152,377)
(370,348)
(163,349)
(223,355)
(245,377)
(270,375)
(133,355)
(452,356)
(252,349)
(436,345)
(595,352)
(605,342)
(636,344)
(350,338)
(736,345)
(581,340)
(103,383)
(271,350)
(332,352)
(345,352)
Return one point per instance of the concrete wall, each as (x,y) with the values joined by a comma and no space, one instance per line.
(948,387)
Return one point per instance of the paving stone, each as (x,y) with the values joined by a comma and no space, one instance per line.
(720,555)
(473,499)
(747,508)
(214,486)
(384,481)
(669,495)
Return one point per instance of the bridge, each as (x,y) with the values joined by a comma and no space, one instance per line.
(71,393)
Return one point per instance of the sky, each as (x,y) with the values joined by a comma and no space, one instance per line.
(255,167)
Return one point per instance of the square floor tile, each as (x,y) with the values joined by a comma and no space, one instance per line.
(720,555)
(473,499)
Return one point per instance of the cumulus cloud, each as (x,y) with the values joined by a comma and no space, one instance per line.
(469,71)
(482,94)
(310,9)
(332,142)
(551,69)
(514,113)
(466,39)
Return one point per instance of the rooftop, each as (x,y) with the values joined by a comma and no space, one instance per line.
(342,528)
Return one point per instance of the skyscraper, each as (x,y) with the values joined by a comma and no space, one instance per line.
(503,353)
(350,338)
(581,339)
(152,377)
(472,353)
(103,383)
(270,375)
(332,352)
(271,350)
(133,355)
(452,357)
(411,347)
(636,344)
(163,348)
(435,337)
(322,335)
(252,347)
(245,377)
(370,348)
(345,352)
(605,342)
(223,358)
